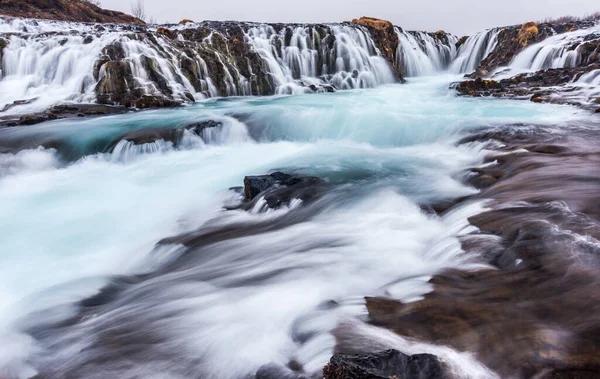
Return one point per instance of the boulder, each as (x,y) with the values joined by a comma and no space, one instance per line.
(384,365)
(279,189)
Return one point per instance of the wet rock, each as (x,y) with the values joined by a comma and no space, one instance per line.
(478,87)
(60,111)
(199,127)
(553,85)
(278,372)
(385,365)
(3,44)
(279,189)
(461,41)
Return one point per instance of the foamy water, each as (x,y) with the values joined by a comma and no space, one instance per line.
(74,219)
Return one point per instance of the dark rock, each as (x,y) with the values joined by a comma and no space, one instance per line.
(59,112)
(278,372)
(385,365)
(279,189)
(552,85)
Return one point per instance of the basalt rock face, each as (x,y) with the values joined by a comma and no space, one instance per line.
(64,10)
(384,365)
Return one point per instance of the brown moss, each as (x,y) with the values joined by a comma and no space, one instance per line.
(527,33)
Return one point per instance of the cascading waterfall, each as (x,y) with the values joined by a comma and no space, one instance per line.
(475,49)
(591,78)
(50,68)
(345,57)
(558,51)
(419,53)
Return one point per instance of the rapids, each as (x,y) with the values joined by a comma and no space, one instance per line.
(87,291)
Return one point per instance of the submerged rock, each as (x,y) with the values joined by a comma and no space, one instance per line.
(385,365)
(279,189)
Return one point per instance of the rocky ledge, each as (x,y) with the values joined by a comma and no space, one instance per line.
(557,86)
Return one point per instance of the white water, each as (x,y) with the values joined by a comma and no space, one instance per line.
(351,63)
(420,54)
(553,52)
(474,50)
(68,227)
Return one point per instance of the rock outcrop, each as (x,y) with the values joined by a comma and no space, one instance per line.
(64,10)
(557,86)
(279,189)
(384,365)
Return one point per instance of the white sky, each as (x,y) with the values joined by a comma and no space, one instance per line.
(461,17)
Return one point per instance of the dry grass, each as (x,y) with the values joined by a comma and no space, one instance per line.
(594,16)
(528,32)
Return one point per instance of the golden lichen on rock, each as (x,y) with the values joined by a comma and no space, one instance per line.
(527,33)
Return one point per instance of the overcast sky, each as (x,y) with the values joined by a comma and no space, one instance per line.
(461,17)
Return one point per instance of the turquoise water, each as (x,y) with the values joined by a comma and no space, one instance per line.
(72,219)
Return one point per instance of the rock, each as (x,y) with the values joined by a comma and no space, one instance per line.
(279,189)
(3,44)
(478,87)
(384,365)
(552,85)
(461,41)
(60,111)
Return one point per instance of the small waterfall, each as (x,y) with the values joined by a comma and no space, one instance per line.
(420,53)
(475,49)
(49,69)
(302,58)
(558,51)
(591,78)
(226,131)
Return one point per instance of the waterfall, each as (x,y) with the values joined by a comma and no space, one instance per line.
(591,78)
(558,51)
(475,49)
(48,68)
(343,57)
(420,53)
